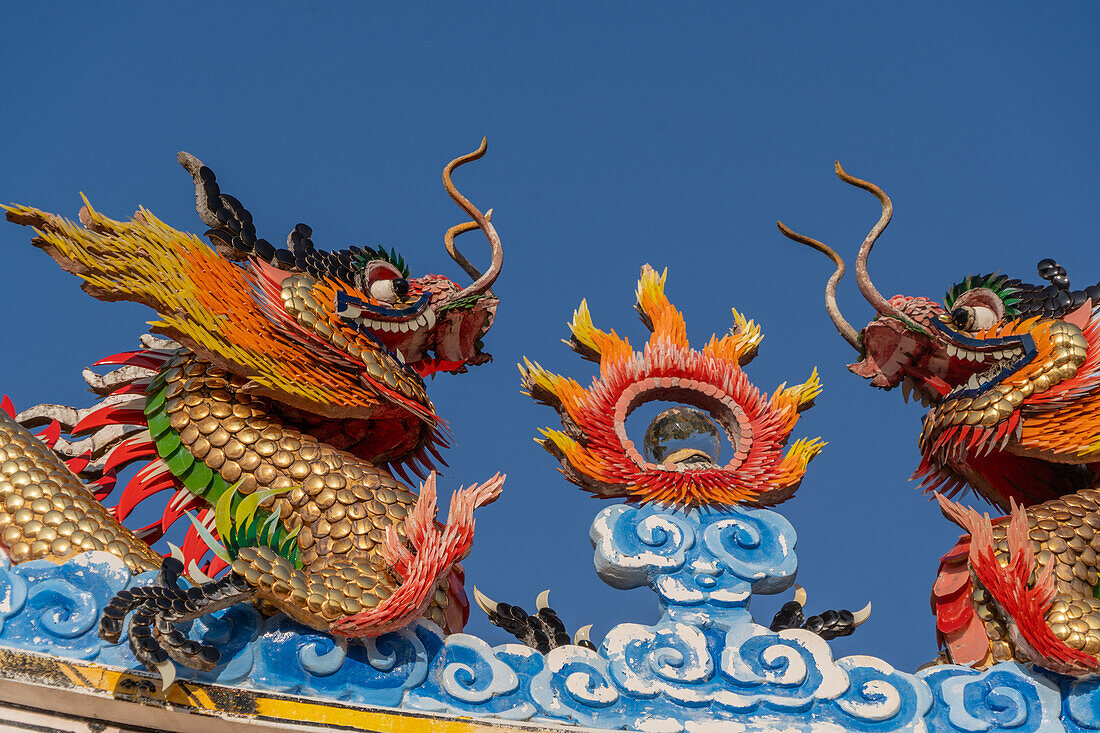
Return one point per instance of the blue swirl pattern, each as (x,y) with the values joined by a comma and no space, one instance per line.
(704,662)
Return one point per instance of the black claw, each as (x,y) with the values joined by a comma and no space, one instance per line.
(157,609)
(542,631)
(828,624)
(788,617)
(148,644)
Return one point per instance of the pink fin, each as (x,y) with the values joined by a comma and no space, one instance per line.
(951,578)
(970,645)
(1080,317)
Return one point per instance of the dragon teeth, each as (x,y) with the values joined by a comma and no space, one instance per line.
(424,320)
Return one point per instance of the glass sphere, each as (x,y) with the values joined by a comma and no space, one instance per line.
(682,434)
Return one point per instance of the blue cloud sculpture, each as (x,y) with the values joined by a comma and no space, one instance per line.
(704,662)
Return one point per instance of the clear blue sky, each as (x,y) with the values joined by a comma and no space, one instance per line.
(620,134)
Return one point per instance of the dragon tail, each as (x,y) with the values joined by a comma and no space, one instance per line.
(46,511)
(113,435)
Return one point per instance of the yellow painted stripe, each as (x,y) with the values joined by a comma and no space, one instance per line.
(196,696)
(316,713)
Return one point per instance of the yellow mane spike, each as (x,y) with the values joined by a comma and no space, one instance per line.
(592,343)
(739,345)
(797,459)
(662,318)
(582,329)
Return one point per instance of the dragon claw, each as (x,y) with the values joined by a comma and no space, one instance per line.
(484,602)
(828,624)
(156,610)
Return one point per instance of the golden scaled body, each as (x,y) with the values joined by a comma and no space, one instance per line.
(339,504)
(1022,588)
(1064,533)
(46,512)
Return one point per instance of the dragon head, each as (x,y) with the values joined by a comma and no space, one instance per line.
(325,336)
(1010,373)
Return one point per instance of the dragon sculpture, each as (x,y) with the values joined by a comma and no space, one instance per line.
(1010,373)
(287,386)
(678,464)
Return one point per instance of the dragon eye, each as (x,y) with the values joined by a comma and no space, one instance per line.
(977,309)
(973,318)
(389,291)
(962,318)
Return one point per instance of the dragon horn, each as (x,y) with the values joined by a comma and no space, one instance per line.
(482,281)
(870,292)
(842,326)
(863,279)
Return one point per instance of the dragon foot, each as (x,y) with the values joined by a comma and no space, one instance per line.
(828,624)
(541,631)
(158,608)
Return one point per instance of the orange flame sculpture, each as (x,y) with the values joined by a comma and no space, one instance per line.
(593,446)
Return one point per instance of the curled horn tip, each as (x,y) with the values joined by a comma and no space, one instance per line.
(846,176)
(861,616)
(788,232)
(461,160)
(866,186)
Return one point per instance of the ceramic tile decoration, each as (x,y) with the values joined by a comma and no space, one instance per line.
(281,406)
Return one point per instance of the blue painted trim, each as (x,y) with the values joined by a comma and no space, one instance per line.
(343,300)
(1025,340)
